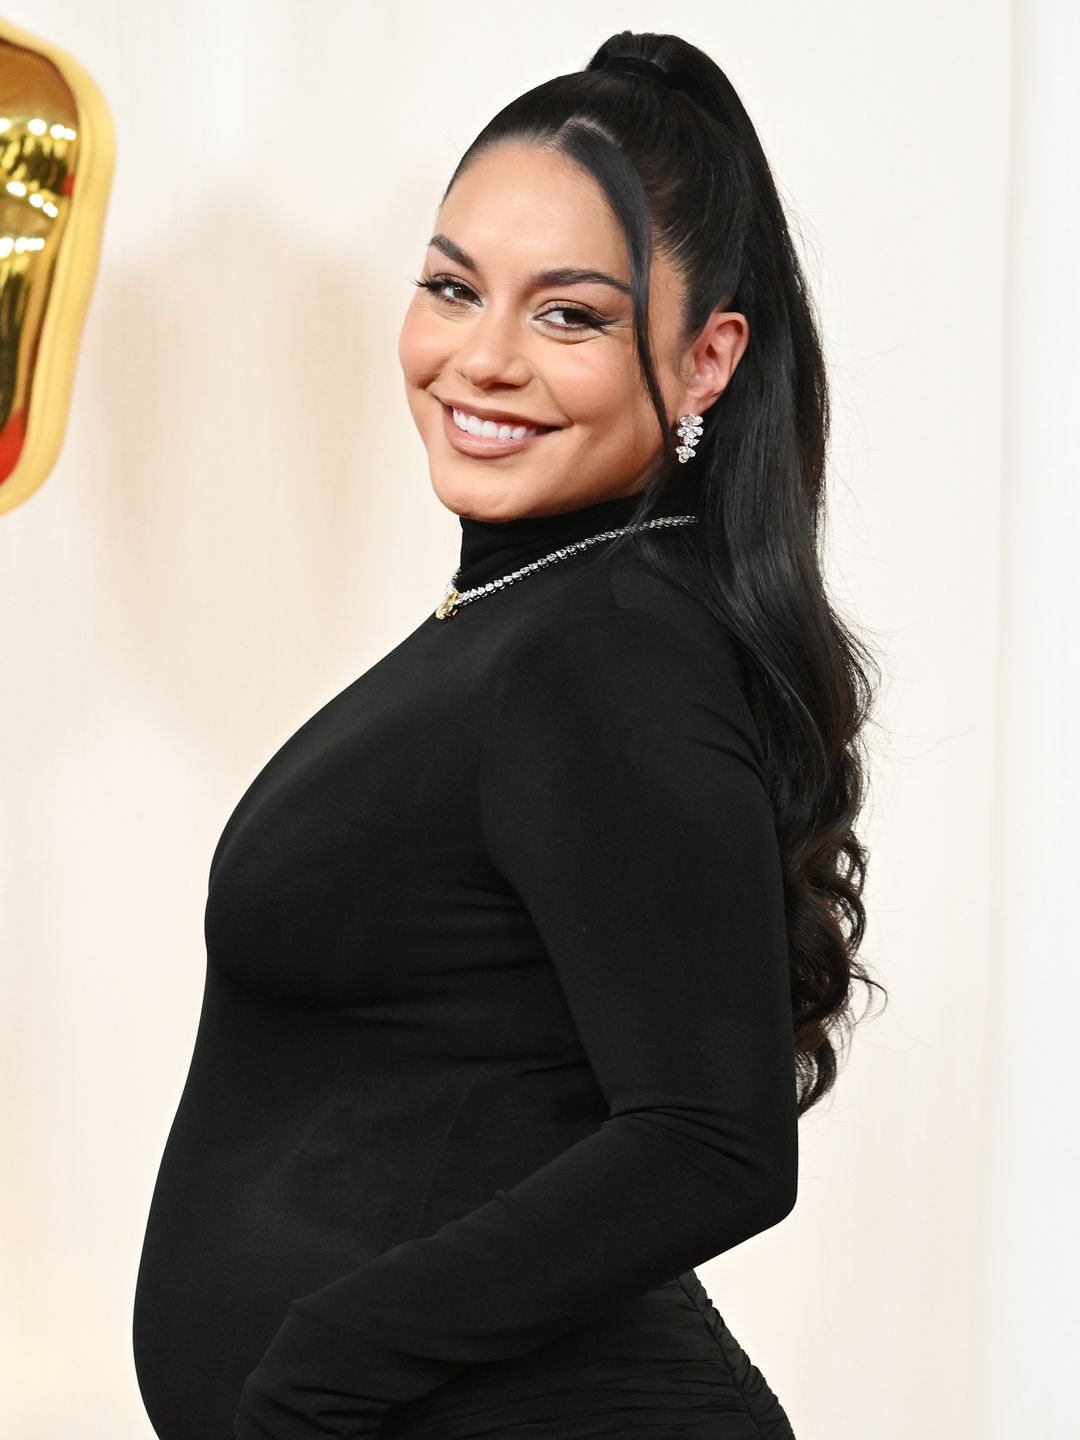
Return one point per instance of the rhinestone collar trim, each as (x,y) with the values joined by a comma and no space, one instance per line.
(453,599)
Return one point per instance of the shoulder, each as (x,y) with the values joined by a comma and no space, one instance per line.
(615,611)
(621,645)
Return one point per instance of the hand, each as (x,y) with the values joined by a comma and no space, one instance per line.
(284,1398)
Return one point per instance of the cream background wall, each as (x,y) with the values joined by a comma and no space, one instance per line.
(241,522)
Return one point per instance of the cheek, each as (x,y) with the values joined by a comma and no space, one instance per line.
(604,392)
(591,383)
(418,345)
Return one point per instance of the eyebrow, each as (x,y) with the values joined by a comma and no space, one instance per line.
(539,279)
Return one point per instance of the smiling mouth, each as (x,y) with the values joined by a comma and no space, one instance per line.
(507,439)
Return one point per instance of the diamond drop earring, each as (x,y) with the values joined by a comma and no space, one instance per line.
(691,429)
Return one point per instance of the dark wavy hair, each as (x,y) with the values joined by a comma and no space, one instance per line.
(683,169)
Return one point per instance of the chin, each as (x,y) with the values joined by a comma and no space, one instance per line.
(481,497)
(466,497)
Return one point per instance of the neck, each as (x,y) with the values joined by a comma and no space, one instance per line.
(490,548)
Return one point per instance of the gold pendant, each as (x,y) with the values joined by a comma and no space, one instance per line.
(446,609)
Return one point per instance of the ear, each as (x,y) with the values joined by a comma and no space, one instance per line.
(710,362)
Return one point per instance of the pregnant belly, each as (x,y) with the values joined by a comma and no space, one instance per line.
(225,1250)
(215,1281)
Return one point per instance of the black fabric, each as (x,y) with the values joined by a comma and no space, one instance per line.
(496,1038)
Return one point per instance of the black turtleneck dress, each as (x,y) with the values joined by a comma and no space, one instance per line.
(496,1037)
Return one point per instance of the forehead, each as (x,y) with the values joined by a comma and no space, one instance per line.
(520,206)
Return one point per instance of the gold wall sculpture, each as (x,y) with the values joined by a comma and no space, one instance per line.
(57,153)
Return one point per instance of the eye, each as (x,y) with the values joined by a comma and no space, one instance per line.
(438,285)
(588,320)
(442,282)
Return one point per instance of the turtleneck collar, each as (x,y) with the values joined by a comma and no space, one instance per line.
(492,547)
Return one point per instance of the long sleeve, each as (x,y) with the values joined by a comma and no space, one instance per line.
(622,798)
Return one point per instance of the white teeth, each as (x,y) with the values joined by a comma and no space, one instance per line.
(488,429)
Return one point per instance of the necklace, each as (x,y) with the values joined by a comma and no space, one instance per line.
(453,600)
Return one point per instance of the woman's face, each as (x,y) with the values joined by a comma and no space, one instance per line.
(500,341)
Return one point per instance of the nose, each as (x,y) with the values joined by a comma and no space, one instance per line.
(490,350)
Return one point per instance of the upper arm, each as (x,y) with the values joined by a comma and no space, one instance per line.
(623,798)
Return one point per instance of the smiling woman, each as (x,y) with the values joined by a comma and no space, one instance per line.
(526,951)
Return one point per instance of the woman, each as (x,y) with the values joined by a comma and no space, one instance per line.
(525,951)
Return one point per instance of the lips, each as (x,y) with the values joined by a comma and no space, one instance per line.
(479,447)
